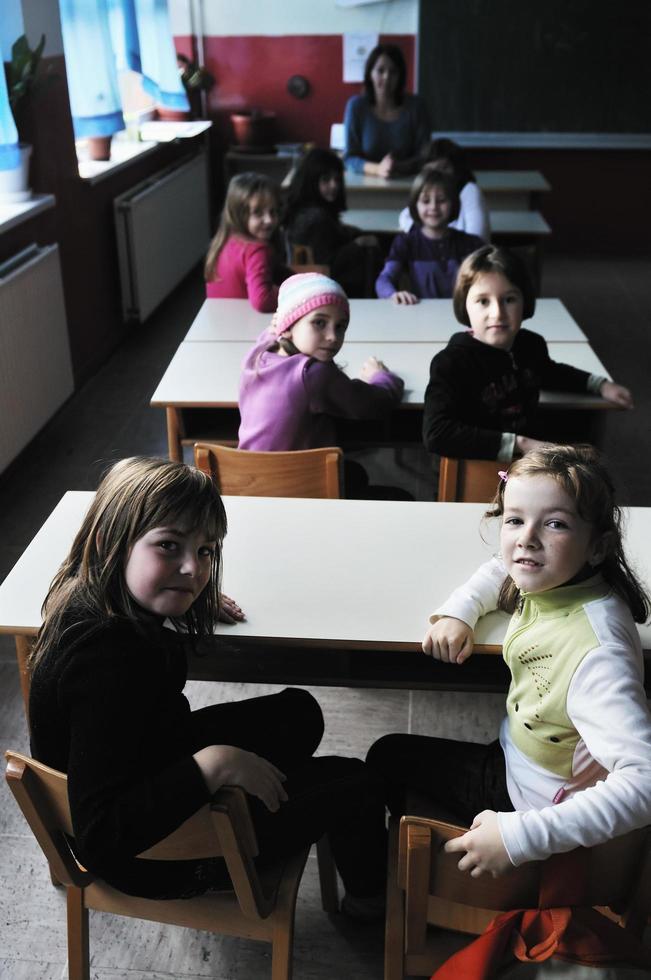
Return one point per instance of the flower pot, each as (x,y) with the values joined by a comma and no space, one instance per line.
(172,115)
(253,127)
(14,183)
(99,147)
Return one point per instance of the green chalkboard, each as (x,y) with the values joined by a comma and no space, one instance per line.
(579,66)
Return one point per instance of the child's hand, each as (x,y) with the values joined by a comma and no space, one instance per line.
(385,166)
(404,297)
(370,367)
(226,765)
(483,846)
(449,640)
(617,394)
(229,611)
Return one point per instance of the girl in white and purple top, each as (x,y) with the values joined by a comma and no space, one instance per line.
(291,391)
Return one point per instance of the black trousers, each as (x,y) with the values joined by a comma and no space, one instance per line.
(329,795)
(464,777)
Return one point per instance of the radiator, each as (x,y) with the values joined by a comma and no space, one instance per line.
(35,366)
(163,230)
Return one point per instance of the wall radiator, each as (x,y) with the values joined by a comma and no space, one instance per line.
(163,230)
(35,366)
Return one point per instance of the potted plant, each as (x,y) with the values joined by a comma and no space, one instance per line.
(195,79)
(21,80)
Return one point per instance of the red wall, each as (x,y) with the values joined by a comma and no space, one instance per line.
(252,72)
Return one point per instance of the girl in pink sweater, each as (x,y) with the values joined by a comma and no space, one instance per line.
(243,260)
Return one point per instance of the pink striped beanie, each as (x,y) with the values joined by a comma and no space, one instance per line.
(301,294)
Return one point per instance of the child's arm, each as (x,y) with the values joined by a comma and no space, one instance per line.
(475,212)
(563,377)
(259,267)
(332,392)
(607,705)
(386,284)
(450,638)
(445,430)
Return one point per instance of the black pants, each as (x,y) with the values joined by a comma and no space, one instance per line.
(329,795)
(464,777)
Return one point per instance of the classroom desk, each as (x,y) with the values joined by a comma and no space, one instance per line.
(199,389)
(357,622)
(528,225)
(503,189)
(377,320)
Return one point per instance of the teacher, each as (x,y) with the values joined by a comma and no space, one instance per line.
(387,130)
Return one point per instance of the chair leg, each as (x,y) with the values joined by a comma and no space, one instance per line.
(282,949)
(394,933)
(78,950)
(327,876)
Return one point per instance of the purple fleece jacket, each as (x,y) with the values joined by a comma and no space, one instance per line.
(291,402)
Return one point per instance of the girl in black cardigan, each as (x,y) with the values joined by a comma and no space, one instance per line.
(107,707)
(483,391)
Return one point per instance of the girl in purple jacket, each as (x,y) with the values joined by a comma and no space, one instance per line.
(292,392)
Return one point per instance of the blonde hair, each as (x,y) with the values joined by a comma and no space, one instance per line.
(235,214)
(135,496)
(583,475)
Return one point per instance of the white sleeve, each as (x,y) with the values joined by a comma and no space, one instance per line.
(473,216)
(607,705)
(476,597)
(405,220)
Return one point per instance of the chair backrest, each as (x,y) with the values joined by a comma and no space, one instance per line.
(304,473)
(468,480)
(301,259)
(220,829)
(437,892)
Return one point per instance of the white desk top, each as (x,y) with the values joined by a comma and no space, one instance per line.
(207,374)
(376,596)
(385,220)
(377,320)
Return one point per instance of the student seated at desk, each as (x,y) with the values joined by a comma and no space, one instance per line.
(447,156)
(572,766)
(291,391)
(244,258)
(107,704)
(431,252)
(484,386)
(315,201)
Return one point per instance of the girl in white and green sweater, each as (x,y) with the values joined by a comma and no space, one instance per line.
(572,766)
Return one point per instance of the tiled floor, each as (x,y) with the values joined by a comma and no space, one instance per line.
(110,417)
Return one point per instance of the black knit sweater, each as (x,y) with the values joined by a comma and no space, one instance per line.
(476,392)
(107,708)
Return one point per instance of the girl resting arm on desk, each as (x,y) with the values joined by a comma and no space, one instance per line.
(107,704)
(572,766)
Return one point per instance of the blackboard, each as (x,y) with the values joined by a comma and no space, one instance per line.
(579,66)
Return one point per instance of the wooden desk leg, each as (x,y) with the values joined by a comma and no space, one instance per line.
(174,430)
(23,650)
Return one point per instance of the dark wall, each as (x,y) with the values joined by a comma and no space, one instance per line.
(526,65)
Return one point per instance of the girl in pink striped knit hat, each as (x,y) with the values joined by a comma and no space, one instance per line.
(291,391)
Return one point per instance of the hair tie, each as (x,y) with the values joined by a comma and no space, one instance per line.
(503,475)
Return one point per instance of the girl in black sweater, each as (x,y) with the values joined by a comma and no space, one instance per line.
(483,391)
(315,201)
(107,707)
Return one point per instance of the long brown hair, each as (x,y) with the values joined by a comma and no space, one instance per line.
(584,476)
(136,495)
(235,214)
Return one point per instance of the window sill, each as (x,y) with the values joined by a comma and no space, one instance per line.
(124,151)
(14,214)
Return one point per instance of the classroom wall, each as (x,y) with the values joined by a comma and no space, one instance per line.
(253,48)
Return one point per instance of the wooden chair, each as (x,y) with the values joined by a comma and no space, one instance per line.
(304,473)
(468,480)
(426,888)
(302,260)
(259,907)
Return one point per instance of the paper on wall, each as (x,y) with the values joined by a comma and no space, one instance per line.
(357,47)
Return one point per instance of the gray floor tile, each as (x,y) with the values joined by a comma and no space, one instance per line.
(473,717)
